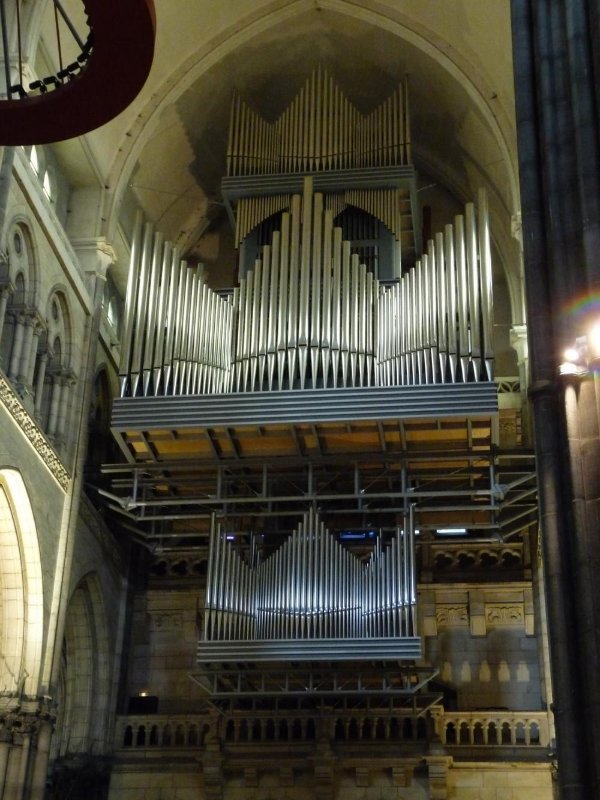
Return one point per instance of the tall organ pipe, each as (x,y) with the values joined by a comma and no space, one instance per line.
(329,321)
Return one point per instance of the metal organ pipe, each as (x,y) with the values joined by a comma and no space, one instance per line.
(329,321)
(311,587)
(320,130)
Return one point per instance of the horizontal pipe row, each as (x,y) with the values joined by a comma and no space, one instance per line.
(320,130)
(310,315)
(310,588)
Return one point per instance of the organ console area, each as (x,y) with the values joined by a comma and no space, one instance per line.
(306,427)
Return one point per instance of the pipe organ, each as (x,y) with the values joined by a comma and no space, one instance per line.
(320,130)
(330,297)
(311,587)
(309,314)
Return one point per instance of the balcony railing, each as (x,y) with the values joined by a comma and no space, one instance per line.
(528,729)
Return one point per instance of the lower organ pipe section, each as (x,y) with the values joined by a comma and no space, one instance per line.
(309,314)
(311,588)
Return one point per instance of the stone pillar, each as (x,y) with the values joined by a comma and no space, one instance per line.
(323,762)
(67,379)
(25,751)
(55,395)
(17,348)
(40,760)
(558,133)
(4,751)
(12,790)
(438,772)
(29,324)
(212,769)
(5,292)
(35,344)
(39,384)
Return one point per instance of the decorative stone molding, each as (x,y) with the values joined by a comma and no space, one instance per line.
(29,427)
(16,724)
(479,607)
(452,616)
(464,556)
(179,565)
(504,615)
(510,384)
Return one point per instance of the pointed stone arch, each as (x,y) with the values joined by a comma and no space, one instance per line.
(21,590)
(84,686)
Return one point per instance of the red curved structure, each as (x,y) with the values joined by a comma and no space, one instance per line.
(123,35)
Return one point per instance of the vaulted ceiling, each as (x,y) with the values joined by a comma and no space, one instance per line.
(166,151)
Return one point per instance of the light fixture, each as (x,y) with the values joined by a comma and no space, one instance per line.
(583,356)
(451,531)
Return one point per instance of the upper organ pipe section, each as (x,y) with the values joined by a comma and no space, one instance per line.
(309,314)
(320,130)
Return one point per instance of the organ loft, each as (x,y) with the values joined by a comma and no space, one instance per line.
(315,427)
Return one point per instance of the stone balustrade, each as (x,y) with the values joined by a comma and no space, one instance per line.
(485,728)
(493,728)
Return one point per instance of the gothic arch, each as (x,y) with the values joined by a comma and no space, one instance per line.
(456,65)
(21,590)
(83,685)
(22,286)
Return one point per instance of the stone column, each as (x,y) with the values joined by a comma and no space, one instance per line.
(323,765)
(39,384)
(55,395)
(67,380)
(212,769)
(25,752)
(17,348)
(558,135)
(40,760)
(5,740)
(29,324)
(38,327)
(438,772)
(12,790)
(5,292)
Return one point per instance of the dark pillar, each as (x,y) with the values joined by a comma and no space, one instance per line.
(558,138)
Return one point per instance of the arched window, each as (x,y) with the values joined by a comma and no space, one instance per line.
(54,376)
(34,159)
(47,186)
(20,324)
